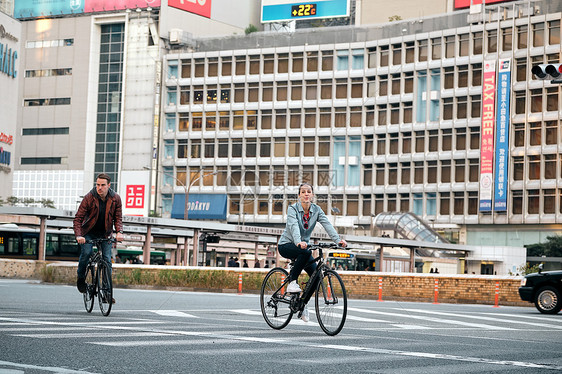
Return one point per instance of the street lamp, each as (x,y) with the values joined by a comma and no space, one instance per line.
(186,188)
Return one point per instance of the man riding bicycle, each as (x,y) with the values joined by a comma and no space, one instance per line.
(99,211)
(301,220)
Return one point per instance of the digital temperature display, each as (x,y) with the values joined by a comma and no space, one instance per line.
(303,10)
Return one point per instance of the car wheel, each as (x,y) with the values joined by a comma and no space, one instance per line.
(547,300)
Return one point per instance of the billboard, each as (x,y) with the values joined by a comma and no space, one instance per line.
(134,192)
(288,10)
(200,206)
(459,4)
(502,136)
(199,7)
(487,136)
(46,8)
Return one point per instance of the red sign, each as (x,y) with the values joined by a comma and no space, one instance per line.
(5,138)
(135,196)
(200,7)
(459,4)
(105,5)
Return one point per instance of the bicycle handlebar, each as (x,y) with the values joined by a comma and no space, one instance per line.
(100,240)
(324,245)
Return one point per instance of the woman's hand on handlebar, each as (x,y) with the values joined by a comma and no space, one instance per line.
(302,245)
(343,243)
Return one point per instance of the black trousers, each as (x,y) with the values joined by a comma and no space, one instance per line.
(301,257)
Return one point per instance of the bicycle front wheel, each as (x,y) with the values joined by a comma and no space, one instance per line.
(105,289)
(90,289)
(331,303)
(275,308)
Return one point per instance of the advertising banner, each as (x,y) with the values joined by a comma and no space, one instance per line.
(134,192)
(487,136)
(201,206)
(199,7)
(104,5)
(45,8)
(288,10)
(502,136)
(459,4)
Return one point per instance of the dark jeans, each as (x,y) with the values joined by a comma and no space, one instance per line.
(301,257)
(87,250)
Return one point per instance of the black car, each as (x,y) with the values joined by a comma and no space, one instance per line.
(544,289)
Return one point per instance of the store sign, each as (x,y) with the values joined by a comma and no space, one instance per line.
(487,136)
(287,10)
(200,206)
(502,136)
(134,192)
(459,4)
(200,7)
(5,159)
(8,56)
(45,8)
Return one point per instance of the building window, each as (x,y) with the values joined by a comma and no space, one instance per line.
(410,52)
(298,62)
(460,171)
(462,107)
(460,139)
(550,166)
(449,77)
(50,101)
(422,50)
(464,40)
(418,172)
(492,41)
(41,160)
(476,75)
(327,60)
(384,53)
(534,167)
(446,139)
(536,100)
(226,66)
(507,39)
(436,48)
(446,171)
(462,76)
(213,67)
(551,132)
(477,43)
(521,69)
(311,61)
(448,108)
(538,34)
(475,138)
(554,32)
(199,67)
(533,201)
(549,201)
(397,54)
(473,170)
(458,204)
(520,101)
(383,85)
(431,171)
(517,202)
(450,46)
(433,143)
(46,131)
(444,203)
(475,106)
(552,99)
(522,35)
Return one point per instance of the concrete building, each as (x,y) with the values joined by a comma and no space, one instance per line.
(89,92)
(10,57)
(379,119)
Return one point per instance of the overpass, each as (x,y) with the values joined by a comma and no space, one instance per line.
(198,231)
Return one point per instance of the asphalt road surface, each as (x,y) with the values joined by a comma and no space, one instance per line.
(45,329)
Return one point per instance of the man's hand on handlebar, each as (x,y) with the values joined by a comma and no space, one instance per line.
(81,239)
(119,237)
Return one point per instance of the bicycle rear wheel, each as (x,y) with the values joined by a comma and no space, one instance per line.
(90,289)
(105,289)
(275,308)
(331,303)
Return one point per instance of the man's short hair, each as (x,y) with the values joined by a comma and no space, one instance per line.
(104,176)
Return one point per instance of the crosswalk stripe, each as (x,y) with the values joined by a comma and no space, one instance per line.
(91,335)
(173,313)
(431,319)
(473,316)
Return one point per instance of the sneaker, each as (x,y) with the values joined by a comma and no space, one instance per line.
(293,287)
(305,316)
(81,285)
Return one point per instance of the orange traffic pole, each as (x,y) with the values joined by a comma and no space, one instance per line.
(380,289)
(436,292)
(497,295)
(240,283)
(282,281)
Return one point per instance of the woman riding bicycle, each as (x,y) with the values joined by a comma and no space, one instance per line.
(301,220)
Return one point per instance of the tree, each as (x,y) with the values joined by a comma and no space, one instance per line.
(47,203)
(394,18)
(552,247)
(250,29)
(27,201)
(12,200)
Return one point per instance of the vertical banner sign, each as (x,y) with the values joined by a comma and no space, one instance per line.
(487,136)
(502,136)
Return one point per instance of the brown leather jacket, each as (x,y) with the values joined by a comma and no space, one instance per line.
(87,214)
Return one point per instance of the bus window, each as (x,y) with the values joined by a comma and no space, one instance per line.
(29,246)
(13,246)
(52,245)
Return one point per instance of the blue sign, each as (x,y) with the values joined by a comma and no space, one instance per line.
(502,137)
(200,206)
(287,10)
(45,8)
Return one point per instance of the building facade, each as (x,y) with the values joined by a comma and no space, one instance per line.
(10,55)
(378,119)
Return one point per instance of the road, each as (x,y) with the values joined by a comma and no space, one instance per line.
(45,329)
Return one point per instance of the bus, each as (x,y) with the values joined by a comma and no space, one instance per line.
(23,243)
(341,260)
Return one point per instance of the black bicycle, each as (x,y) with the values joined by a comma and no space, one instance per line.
(325,284)
(98,279)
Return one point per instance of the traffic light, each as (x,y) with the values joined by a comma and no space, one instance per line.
(547,71)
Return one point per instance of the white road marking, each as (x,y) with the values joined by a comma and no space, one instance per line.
(173,313)
(249,312)
(437,320)
(46,368)
(473,316)
(91,335)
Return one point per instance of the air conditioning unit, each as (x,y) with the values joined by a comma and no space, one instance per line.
(175,36)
